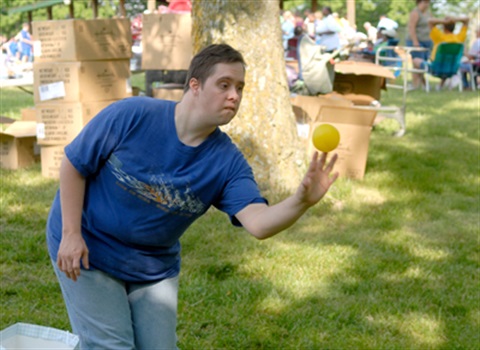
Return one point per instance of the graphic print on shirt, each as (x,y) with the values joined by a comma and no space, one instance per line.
(160,191)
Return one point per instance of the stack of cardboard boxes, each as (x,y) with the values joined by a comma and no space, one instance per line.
(167,45)
(80,67)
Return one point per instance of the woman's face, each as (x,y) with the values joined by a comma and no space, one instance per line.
(424,5)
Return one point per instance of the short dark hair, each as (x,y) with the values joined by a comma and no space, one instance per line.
(327,9)
(450,26)
(298,30)
(204,62)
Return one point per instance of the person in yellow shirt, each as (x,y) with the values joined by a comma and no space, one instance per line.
(442,31)
(447,35)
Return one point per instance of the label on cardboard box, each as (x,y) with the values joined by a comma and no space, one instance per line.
(37,48)
(40,130)
(51,91)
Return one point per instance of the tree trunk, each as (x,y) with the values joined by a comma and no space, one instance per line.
(264,128)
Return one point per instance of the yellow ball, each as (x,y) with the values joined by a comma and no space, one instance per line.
(325,138)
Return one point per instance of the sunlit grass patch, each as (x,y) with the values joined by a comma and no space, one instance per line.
(425,331)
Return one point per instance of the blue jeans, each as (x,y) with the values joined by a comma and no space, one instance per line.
(107,313)
(466,69)
(421,54)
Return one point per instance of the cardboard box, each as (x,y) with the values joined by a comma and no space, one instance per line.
(28,114)
(167,92)
(18,145)
(51,160)
(354,125)
(167,41)
(60,123)
(352,77)
(81,81)
(82,40)
(307,108)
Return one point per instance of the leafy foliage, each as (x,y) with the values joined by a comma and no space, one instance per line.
(11,24)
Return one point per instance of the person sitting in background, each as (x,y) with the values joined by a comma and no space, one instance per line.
(387,23)
(471,62)
(446,35)
(385,37)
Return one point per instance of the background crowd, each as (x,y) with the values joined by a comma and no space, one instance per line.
(334,33)
(17,53)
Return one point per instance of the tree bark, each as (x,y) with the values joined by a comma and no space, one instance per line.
(264,128)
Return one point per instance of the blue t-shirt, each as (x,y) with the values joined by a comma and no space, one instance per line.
(26,47)
(13,47)
(144,188)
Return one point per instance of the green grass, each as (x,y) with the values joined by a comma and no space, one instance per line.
(13,100)
(389,262)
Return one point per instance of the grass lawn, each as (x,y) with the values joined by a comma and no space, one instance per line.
(389,262)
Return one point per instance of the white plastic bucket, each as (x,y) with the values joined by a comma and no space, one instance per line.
(30,336)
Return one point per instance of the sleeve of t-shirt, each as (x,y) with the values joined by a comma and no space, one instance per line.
(436,35)
(97,140)
(240,190)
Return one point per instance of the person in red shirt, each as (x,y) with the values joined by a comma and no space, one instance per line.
(180,5)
